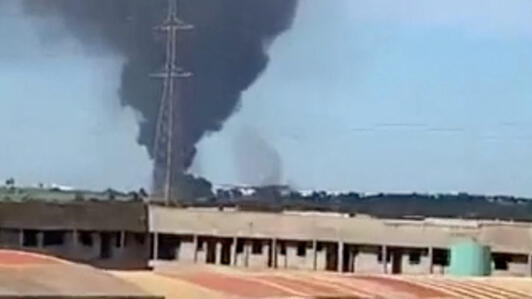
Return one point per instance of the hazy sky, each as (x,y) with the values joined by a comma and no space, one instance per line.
(388,95)
(380,95)
(60,117)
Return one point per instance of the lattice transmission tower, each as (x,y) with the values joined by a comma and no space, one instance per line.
(168,147)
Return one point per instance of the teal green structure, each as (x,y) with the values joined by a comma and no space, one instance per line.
(469,258)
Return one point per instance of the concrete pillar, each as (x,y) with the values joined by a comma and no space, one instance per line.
(340,259)
(384,254)
(233,251)
(218,252)
(20,238)
(286,250)
(122,239)
(195,241)
(314,255)
(352,263)
(530,265)
(431,260)
(40,239)
(274,253)
(247,246)
(155,246)
(75,238)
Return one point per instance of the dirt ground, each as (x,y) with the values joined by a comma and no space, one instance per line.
(24,273)
(225,282)
(19,258)
(27,273)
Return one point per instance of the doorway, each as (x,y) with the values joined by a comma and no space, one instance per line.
(105,245)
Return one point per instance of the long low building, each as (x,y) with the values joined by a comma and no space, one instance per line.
(106,234)
(134,234)
(326,241)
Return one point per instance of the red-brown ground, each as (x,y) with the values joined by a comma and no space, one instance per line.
(230,284)
(403,286)
(305,286)
(245,283)
(19,258)
(29,273)
(25,273)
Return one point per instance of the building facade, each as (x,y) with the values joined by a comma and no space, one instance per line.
(134,234)
(105,234)
(334,242)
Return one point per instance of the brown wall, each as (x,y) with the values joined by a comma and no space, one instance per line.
(101,216)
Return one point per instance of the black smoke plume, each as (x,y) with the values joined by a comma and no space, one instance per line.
(226,51)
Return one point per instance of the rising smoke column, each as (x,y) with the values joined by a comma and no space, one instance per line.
(226,51)
(257,162)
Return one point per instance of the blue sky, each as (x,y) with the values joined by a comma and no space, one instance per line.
(60,117)
(380,95)
(427,96)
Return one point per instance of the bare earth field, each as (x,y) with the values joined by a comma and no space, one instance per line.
(24,273)
(28,274)
(224,282)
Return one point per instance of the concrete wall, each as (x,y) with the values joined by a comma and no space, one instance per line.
(200,236)
(517,268)
(10,238)
(296,261)
(201,255)
(83,215)
(187,249)
(258,259)
(412,267)
(362,237)
(124,248)
(109,219)
(241,257)
(366,260)
(321,258)
(501,236)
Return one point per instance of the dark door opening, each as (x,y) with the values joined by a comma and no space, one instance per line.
(397,261)
(347,259)
(168,247)
(105,245)
(211,252)
(225,259)
(29,238)
(331,262)
(271,253)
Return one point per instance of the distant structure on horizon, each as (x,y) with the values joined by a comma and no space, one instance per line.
(169,150)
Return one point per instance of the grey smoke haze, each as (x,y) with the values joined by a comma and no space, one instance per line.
(257,162)
(226,51)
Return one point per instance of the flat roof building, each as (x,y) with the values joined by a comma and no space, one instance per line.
(133,234)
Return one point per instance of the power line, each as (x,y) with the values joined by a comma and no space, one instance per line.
(168,129)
